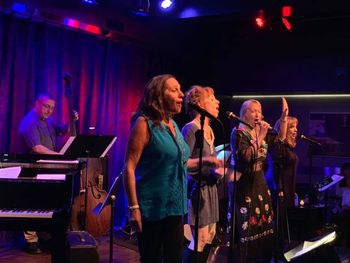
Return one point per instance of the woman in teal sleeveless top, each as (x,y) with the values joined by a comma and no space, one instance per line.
(155,172)
(156,164)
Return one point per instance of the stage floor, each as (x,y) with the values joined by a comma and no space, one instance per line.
(124,251)
(121,254)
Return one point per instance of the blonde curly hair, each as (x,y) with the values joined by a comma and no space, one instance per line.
(196,95)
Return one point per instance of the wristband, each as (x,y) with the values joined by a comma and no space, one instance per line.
(133,207)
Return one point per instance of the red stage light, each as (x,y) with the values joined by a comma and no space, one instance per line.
(287,24)
(286,11)
(92,29)
(71,22)
(260,20)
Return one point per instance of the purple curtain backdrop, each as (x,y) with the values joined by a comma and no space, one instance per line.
(107,82)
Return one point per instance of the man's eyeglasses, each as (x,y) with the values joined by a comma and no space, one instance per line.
(47,106)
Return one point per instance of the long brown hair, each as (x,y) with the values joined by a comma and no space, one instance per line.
(151,104)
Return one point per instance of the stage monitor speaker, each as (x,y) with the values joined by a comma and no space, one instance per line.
(81,247)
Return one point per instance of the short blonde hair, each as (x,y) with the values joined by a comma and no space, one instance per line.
(245,107)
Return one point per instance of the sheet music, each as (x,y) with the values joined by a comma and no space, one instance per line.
(308,246)
(66,148)
(67,144)
(10,172)
(61,177)
(59,161)
(335,179)
(109,146)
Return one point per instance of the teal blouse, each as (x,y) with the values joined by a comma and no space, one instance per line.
(161,174)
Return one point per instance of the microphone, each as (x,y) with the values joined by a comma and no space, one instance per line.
(259,123)
(312,141)
(201,111)
(270,129)
(233,116)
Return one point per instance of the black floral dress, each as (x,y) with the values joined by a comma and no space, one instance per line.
(254,213)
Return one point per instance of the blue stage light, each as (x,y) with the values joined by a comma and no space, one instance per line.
(89,2)
(165,4)
(19,7)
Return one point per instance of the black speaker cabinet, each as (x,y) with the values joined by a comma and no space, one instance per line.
(81,248)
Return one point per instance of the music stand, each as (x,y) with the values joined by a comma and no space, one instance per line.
(326,183)
(302,252)
(110,199)
(323,185)
(87,146)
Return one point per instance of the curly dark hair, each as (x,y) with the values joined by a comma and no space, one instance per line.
(151,104)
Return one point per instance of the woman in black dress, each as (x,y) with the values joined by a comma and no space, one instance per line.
(283,163)
(254,213)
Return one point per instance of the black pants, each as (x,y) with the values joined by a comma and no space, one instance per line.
(161,241)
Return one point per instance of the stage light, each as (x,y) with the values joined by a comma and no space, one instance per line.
(89,2)
(286,14)
(19,7)
(260,20)
(286,11)
(79,25)
(165,4)
(287,24)
(293,96)
(71,22)
(189,13)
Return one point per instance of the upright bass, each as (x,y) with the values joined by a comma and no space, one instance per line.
(91,185)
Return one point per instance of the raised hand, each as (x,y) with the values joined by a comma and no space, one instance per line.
(285,108)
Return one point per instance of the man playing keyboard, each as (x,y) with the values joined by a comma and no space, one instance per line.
(38,134)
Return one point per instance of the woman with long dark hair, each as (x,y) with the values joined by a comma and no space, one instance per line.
(155,172)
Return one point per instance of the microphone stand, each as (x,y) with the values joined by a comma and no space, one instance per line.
(110,200)
(233,204)
(199,145)
(310,153)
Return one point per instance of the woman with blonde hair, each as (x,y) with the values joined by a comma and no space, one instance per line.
(254,214)
(285,162)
